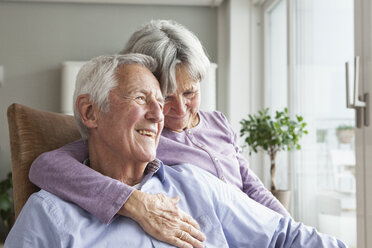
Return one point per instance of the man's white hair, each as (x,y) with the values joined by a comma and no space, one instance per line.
(98,77)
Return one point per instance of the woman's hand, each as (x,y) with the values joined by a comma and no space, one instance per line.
(160,217)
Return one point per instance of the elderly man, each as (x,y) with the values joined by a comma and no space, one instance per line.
(119,110)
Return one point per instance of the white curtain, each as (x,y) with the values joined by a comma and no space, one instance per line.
(321,41)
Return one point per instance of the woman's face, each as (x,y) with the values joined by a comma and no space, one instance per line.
(181,108)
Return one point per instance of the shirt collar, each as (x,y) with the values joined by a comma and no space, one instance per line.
(154,167)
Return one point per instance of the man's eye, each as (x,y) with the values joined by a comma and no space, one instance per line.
(140,99)
(168,98)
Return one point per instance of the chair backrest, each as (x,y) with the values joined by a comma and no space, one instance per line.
(31,133)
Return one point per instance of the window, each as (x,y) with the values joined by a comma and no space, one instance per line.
(306,45)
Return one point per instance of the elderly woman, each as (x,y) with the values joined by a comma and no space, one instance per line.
(192,136)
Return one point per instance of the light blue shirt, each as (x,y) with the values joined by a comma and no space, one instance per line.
(225,214)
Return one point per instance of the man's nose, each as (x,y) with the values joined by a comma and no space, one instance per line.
(155,112)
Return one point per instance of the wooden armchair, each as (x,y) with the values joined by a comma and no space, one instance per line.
(31,133)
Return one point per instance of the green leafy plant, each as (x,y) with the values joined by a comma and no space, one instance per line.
(272,134)
(6,201)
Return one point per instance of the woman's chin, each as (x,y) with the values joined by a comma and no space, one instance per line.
(175,123)
(175,127)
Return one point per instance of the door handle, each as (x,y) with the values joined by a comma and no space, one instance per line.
(359,104)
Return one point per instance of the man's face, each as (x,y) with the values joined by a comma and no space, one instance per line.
(132,127)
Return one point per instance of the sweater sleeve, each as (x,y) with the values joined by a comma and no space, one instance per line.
(62,173)
(252,185)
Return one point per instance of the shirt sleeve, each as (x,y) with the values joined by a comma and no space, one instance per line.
(246,222)
(62,173)
(252,185)
(294,234)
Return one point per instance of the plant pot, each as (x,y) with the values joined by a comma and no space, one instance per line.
(345,136)
(284,196)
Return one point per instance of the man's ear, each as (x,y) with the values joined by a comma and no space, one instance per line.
(87,111)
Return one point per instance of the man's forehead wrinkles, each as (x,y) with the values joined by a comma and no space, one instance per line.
(133,89)
(129,86)
(138,80)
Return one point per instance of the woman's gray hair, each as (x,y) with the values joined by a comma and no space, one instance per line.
(170,44)
(98,77)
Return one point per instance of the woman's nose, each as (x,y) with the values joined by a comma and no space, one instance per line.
(179,105)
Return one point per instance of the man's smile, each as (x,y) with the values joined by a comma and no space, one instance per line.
(148,133)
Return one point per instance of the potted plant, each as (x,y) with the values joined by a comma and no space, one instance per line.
(6,201)
(345,134)
(262,132)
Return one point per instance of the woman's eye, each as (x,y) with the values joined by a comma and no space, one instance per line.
(189,94)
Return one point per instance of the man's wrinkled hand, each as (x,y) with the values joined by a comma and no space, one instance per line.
(160,217)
